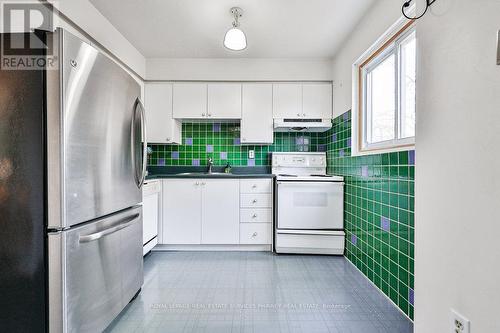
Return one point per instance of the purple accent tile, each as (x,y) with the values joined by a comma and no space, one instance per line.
(236,141)
(195,162)
(321,147)
(411,157)
(216,128)
(334,137)
(364,171)
(348,142)
(189,141)
(345,116)
(354,239)
(411,296)
(210,149)
(223,155)
(174,155)
(251,162)
(161,161)
(341,153)
(385,224)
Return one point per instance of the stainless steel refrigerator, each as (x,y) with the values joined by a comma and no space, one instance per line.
(72,164)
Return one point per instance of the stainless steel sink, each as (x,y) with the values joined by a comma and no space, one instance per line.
(203,174)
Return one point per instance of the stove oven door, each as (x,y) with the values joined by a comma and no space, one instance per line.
(310,205)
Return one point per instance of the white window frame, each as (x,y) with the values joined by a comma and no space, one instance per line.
(386,45)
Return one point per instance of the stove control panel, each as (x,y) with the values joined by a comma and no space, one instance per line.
(299,160)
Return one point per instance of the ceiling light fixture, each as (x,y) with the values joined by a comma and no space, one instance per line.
(235,38)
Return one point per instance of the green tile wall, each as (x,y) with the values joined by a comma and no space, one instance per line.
(379,212)
(221,141)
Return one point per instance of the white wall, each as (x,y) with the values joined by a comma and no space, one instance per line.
(376,21)
(238,69)
(458,163)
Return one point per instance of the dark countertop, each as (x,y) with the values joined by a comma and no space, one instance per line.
(160,172)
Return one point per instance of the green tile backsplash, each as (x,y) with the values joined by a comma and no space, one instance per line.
(221,141)
(379,192)
(379,212)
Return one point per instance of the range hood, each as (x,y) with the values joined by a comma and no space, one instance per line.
(302,125)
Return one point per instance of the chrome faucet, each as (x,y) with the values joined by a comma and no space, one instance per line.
(210,163)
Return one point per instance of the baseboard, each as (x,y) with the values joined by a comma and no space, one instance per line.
(373,284)
(242,248)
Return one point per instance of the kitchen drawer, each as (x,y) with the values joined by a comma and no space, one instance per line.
(255,233)
(263,215)
(256,186)
(256,200)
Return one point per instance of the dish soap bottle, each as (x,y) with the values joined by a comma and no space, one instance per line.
(227,168)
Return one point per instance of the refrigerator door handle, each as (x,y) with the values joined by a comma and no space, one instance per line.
(140,174)
(144,143)
(95,236)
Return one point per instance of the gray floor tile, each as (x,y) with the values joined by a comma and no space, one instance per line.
(256,292)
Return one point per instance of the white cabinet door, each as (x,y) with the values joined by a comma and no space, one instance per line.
(257,113)
(317,100)
(287,100)
(189,100)
(161,127)
(181,211)
(221,216)
(224,101)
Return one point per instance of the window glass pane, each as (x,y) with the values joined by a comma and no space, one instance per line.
(381,101)
(408,74)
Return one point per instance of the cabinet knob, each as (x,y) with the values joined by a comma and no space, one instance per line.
(210,115)
(298,114)
(203,183)
(254,216)
(254,200)
(197,183)
(254,234)
(203,115)
(304,114)
(254,186)
(168,139)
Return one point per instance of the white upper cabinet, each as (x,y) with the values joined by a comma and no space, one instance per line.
(317,100)
(190,100)
(161,127)
(287,100)
(224,101)
(302,101)
(257,113)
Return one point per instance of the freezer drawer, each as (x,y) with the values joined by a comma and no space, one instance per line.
(94,271)
(308,205)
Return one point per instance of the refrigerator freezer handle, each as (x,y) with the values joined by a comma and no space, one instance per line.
(95,236)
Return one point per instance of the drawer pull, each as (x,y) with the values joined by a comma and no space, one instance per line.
(254,216)
(254,201)
(254,234)
(197,183)
(254,186)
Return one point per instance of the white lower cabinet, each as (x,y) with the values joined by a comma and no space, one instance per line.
(201,211)
(217,211)
(181,211)
(220,211)
(255,233)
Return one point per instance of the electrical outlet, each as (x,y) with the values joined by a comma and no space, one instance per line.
(251,154)
(459,324)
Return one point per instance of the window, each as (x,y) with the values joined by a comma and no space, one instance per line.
(384,114)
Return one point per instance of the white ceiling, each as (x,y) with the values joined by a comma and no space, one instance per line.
(196,28)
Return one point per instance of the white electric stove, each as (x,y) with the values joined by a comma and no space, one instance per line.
(309,205)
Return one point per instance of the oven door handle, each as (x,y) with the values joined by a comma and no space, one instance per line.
(306,182)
